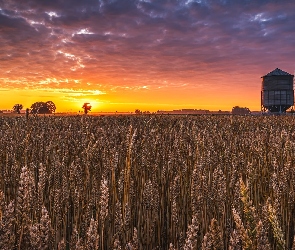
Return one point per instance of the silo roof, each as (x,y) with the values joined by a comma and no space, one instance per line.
(278,72)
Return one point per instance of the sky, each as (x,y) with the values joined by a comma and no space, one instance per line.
(122,55)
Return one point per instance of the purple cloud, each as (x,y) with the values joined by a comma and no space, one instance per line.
(126,43)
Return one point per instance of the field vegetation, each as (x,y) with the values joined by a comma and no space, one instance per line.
(147,182)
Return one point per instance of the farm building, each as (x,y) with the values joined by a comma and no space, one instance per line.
(277,92)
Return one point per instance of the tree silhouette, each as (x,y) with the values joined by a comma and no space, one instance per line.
(27,113)
(138,112)
(17,108)
(43,107)
(51,106)
(240,111)
(87,107)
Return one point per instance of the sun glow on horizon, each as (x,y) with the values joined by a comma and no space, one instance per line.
(130,99)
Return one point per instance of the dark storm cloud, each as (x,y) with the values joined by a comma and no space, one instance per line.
(128,43)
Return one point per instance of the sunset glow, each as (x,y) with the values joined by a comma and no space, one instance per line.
(124,55)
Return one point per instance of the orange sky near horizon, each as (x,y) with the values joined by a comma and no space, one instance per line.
(145,99)
(207,102)
(142,54)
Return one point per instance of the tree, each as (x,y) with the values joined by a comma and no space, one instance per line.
(17,108)
(240,111)
(137,112)
(43,107)
(51,106)
(87,107)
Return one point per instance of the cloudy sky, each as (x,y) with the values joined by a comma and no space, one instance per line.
(121,55)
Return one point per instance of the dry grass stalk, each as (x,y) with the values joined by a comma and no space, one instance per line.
(92,236)
(7,224)
(213,239)
(276,229)
(192,235)
(243,233)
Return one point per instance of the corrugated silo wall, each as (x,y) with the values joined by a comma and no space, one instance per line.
(277,90)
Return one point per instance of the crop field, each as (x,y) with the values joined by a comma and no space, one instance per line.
(147,182)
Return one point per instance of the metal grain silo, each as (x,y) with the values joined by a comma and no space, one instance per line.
(277,93)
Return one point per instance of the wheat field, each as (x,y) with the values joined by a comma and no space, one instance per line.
(147,182)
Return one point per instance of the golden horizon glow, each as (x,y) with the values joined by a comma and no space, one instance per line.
(130,99)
